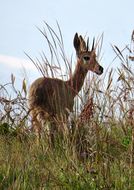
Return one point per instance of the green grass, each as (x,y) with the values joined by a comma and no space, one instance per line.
(28,165)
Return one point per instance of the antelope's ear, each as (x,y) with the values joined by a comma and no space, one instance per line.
(82,44)
(76,43)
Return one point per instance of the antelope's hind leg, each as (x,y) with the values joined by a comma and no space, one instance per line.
(40,123)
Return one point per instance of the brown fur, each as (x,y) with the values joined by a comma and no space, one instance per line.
(51,98)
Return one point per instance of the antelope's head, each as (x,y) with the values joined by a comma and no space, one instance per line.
(86,57)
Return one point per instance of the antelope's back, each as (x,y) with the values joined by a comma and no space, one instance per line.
(52,95)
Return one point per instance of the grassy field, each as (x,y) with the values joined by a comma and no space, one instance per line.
(97,155)
(106,164)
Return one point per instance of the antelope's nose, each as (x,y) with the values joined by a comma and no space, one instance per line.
(101,69)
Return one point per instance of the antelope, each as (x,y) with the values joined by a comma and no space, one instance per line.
(51,98)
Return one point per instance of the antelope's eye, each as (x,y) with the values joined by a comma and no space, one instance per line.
(86,58)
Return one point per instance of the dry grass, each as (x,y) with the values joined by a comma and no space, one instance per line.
(98,152)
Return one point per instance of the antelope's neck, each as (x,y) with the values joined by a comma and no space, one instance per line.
(77,79)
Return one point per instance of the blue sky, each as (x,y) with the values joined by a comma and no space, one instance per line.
(18,32)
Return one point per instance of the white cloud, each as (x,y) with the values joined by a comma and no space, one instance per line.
(20,68)
(16,62)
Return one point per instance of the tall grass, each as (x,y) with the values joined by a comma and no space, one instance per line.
(98,154)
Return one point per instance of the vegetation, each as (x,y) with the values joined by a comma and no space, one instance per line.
(96,153)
